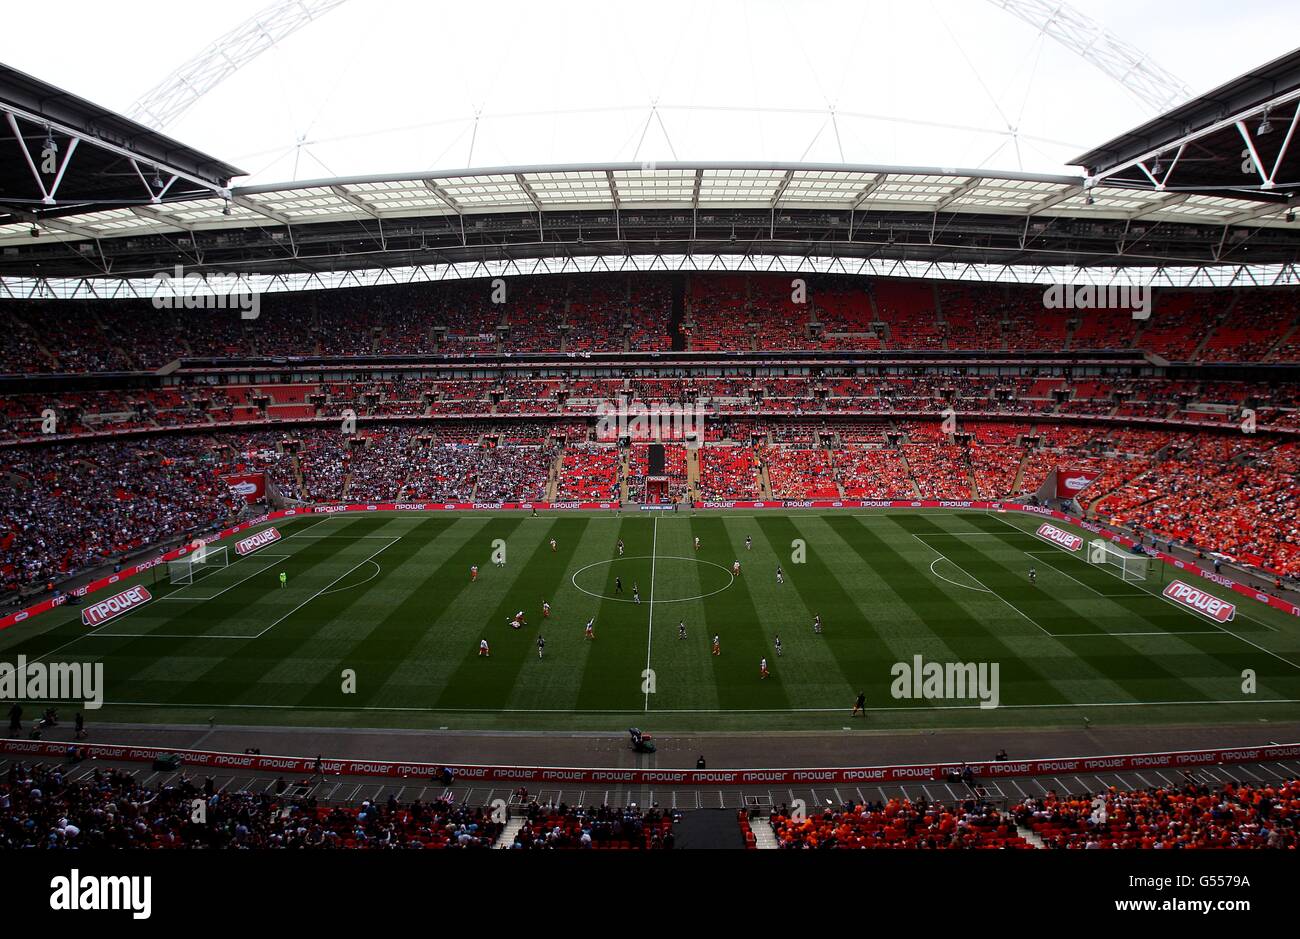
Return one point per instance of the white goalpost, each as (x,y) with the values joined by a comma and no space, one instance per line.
(196,564)
(1132,567)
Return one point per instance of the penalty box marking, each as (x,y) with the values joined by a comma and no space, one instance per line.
(263,570)
(945,557)
(97,634)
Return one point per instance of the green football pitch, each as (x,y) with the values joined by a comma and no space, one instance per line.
(379,625)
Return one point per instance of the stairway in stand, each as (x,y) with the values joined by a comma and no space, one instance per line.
(508,833)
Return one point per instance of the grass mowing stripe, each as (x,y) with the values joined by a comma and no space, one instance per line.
(613,661)
(138,668)
(683,667)
(467,686)
(1153,680)
(735,620)
(279,666)
(968,636)
(393,621)
(851,641)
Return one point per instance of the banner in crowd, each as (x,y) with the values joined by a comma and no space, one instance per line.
(251,486)
(1071,482)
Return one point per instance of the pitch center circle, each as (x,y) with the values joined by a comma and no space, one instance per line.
(595,580)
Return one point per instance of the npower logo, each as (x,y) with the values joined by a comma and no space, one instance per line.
(1075,483)
(115,606)
(1207,604)
(1058,536)
(253,542)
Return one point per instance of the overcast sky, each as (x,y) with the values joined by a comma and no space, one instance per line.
(385,86)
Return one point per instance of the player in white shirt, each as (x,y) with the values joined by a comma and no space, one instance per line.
(735,568)
(762,669)
(483,648)
(546,610)
(553,548)
(473,573)
(590,631)
(697,544)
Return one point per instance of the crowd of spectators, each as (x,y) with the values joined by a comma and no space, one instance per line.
(565,827)
(41,808)
(617,313)
(899,823)
(1194,815)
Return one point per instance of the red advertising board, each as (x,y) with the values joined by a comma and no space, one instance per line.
(1059,537)
(115,606)
(835,775)
(1207,604)
(260,540)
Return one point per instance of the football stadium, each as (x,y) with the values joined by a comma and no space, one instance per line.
(664,441)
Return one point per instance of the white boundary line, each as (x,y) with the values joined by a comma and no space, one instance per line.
(1219,626)
(322,591)
(1043,555)
(953,582)
(1206,632)
(377,572)
(650,629)
(715,711)
(265,557)
(651,557)
(982,584)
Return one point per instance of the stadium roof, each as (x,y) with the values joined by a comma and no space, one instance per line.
(1240,139)
(766,186)
(511,213)
(64,156)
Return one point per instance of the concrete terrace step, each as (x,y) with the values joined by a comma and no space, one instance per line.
(508,833)
(764,837)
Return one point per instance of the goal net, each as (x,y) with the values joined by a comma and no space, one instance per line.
(1131,567)
(198,563)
